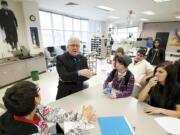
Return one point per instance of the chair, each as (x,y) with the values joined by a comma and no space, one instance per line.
(50,58)
(51,51)
(63,47)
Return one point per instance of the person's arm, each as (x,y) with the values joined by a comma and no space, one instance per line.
(58,115)
(84,66)
(14,18)
(149,73)
(144,93)
(149,55)
(109,78)
(156,110)
(162,56)
(63,73)
(129,89)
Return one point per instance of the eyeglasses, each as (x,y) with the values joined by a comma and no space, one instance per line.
(74,45)
(38,89)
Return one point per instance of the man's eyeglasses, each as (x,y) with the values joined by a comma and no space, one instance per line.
(38,89)
(74,45)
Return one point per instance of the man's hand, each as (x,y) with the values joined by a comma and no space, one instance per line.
(86,73)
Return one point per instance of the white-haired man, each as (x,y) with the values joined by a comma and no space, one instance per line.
(72,69)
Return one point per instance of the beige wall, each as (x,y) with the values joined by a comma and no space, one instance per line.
(150,29)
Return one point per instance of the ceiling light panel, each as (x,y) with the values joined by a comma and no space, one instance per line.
(105,8)
(113,17)
(144,20)
(177,17)
(148,13)
(159,1)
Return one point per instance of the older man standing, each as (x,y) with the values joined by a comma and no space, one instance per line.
(72,69)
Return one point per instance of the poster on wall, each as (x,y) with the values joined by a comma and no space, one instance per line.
(8,24)
(175,38)
(35,37)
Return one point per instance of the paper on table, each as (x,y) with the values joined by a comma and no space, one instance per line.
(169,124)
(68,125)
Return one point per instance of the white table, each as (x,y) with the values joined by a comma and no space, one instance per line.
(130,107)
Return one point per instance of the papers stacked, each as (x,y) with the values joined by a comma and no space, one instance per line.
(169,124)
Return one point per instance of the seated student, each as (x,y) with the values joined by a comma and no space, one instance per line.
(163,91)
(25,115)
(120,52)
(122,79)
(141,69)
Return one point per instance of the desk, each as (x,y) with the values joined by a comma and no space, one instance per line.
(104,106)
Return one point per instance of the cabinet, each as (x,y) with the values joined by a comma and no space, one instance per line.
(21,69)
(99,45)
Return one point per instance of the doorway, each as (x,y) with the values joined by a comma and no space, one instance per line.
(164,38)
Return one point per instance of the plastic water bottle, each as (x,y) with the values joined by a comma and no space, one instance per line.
(108,90)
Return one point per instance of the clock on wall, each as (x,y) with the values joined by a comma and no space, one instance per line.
(32,18)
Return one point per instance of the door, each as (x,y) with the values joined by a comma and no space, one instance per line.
(164,38)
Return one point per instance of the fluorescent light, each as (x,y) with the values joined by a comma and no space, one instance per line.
(148,13)
(144,20)
(177,17)
(105,8)
(113,17)
(158,1)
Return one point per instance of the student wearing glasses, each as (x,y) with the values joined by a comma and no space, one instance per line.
(72,69)
(25,115)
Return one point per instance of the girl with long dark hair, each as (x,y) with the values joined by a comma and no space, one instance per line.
(163,91)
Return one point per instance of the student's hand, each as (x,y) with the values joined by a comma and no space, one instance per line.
(86,73)
(153,81)
(112,95)
(153,110)
(89,113)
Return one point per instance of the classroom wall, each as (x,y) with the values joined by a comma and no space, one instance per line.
(150,29)
(5,49)
(22,11)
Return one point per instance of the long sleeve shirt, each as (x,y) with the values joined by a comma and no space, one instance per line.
(57,115)
(124,87)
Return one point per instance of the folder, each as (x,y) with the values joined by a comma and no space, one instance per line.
(115,125)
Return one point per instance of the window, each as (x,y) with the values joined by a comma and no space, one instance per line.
(58,38)
(84,25)
(125,33)
(56,29)
(67,23)
(67,35)
(47,37)
(76,25)
(57,22)
(45,20)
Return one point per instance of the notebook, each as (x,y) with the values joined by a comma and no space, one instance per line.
(115,125)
